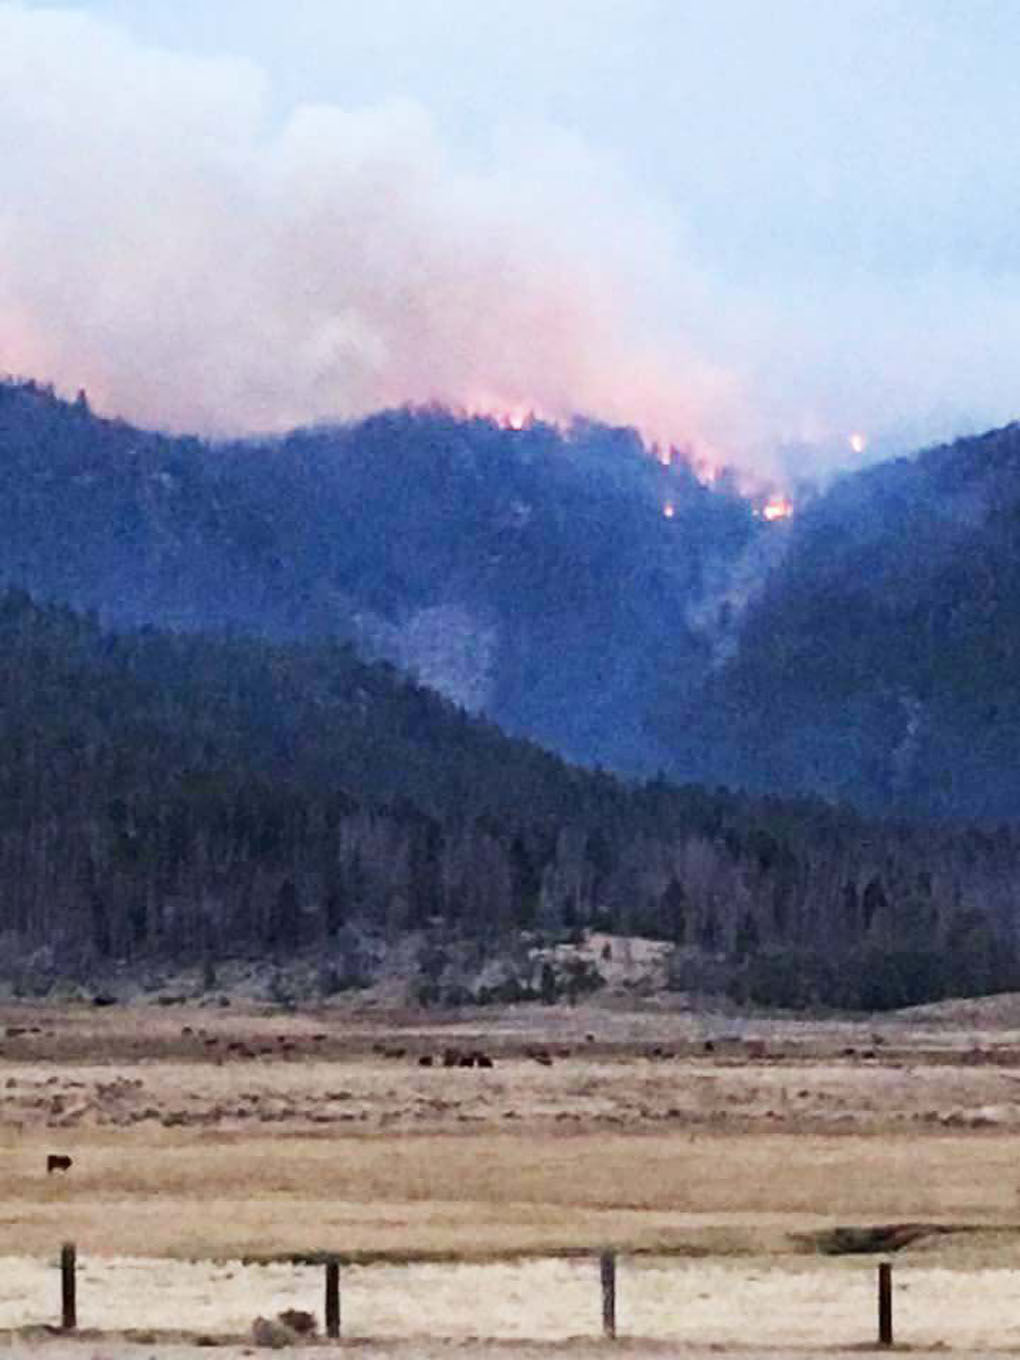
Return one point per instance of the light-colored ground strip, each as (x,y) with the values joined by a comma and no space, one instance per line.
(687,1303)
(124,1349)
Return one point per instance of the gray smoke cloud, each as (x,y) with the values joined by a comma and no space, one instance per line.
(198,264)
(748,229)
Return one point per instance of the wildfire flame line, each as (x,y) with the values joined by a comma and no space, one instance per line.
(522,415)
(777,507)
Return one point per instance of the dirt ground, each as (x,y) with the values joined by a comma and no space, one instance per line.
(774,1304)
(584,1349)
(212,1144)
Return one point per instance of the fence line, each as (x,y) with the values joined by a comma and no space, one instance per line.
(68,1287)
(885,1326)
(333,1298)
(607,1276)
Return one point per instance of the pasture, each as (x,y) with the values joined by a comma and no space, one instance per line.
(214,1149)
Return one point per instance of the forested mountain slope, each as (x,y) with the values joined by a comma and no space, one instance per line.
(572,588)
(528,574)
(881,663)
(174,796)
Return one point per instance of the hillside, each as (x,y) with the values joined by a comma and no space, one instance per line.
(175,796)
(879,665)
(528,574)
(864,652)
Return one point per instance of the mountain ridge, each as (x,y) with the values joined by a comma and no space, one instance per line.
(879,663)
(531,574)
(170,796)
(572,587)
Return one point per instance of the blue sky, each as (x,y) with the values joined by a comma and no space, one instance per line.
(752,227)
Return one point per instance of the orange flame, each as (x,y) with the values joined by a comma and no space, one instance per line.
(520,415)
(777,507)
(508,415)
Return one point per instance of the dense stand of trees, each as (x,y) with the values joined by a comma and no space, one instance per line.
(477,555)
(865,651)
(185,797)
(174,795)
(879,663)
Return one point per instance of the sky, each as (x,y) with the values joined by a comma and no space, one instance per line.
(750,228)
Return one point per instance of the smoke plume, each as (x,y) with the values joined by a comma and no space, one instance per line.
(196,263)
(749,230)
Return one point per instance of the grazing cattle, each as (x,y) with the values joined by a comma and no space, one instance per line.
(425,1060)
(57,1161)
(460,1057)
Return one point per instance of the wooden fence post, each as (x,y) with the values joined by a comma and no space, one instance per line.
(885,1323)
(68,1300)
(333,1298)
(607,1270)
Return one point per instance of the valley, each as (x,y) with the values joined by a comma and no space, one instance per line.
(326,1133)
(218,1152)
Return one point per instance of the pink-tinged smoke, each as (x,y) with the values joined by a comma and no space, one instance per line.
(195,264)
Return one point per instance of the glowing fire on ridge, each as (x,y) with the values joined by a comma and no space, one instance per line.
(777,507)
(518,415)
(774,507)
(509,415)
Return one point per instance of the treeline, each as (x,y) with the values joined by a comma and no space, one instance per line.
(879,664)
(831,654)
(169,796)
(474,554)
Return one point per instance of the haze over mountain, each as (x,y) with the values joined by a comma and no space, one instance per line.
(748,229)
(571,587)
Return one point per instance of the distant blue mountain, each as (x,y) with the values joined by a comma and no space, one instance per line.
(881,662)
(868,650)
(526,573)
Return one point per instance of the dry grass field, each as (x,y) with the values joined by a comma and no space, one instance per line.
(213,1148)
(689,1303)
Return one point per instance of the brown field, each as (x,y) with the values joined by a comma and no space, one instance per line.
(710,1152)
